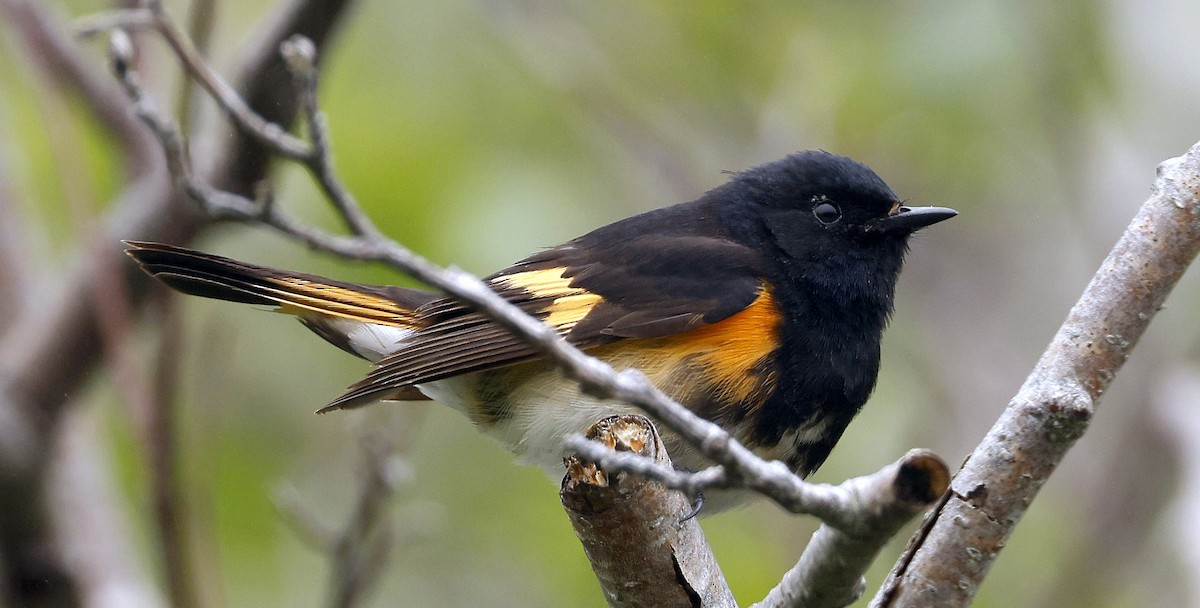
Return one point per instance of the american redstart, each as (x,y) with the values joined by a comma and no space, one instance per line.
(759,306)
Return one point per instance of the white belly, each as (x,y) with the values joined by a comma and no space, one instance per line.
(551,409)
(535,430)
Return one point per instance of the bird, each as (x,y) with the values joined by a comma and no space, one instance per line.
(759,306)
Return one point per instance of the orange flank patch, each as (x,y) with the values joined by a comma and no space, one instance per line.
(298,296)
(723,360)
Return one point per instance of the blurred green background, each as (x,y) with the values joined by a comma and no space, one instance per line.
(477,131)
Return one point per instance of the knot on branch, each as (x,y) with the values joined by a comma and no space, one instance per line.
(1068,415)
(922,477)
(300,54)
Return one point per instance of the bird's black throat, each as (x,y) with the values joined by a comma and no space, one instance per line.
(835,298)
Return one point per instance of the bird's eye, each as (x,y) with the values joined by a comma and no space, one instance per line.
(827,213)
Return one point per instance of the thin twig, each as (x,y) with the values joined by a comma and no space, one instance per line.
(154,16)
(366,543)
(301,57)
(114,319)
(49,352)
(200,20)
(49,46)
(359,549)
(149,409)
(690,483)
(122,18)
(300,54)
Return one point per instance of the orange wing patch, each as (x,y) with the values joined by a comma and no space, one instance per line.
(300,295)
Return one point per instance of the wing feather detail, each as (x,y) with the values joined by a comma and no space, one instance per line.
(203,274)
(638,289)
(458,341)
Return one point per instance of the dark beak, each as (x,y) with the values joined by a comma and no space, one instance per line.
(911,219)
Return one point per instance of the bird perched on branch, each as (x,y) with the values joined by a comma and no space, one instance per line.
(759,306)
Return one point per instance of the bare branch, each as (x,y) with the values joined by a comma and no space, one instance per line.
(14,256)
(53,352)
(201,18)
(50,46)
(633,530)
(1053,408)
(367,541)
(359,550)
(162,458)
(830,572)
(690,483)
(299,54)
(301,58)
(154,15)
(868,511)
(88,513)
(839,506)
(122,18)
(49,352)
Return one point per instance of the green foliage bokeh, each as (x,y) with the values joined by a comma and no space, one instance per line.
(475,132)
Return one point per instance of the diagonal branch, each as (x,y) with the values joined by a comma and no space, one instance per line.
(55,349)
(1053,408)
(830,571)
(153,16)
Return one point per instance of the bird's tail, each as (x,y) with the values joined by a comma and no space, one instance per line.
(357,318)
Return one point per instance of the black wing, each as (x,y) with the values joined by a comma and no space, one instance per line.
(593,294)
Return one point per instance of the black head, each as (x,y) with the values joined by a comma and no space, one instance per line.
(833,193)
(815,205)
